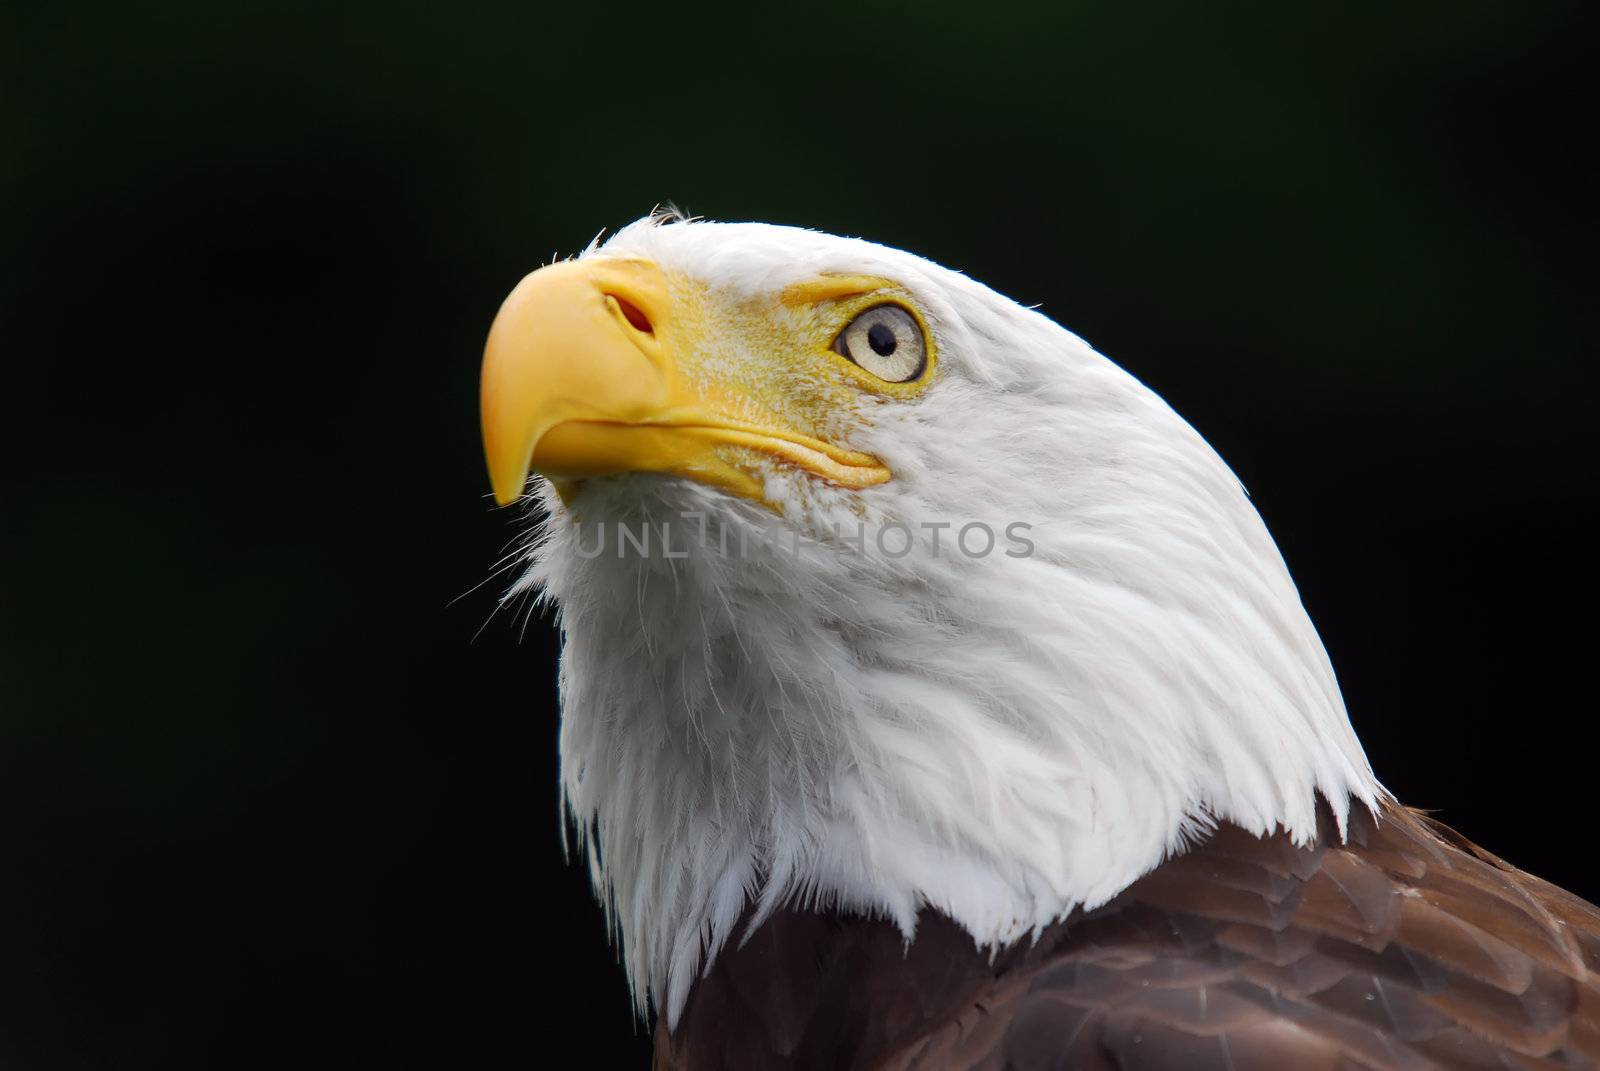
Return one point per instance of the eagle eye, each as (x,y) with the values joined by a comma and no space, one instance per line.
(887,341)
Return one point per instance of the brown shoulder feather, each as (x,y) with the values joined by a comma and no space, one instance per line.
(1404,946)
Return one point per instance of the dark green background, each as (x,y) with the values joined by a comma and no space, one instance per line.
(267,801)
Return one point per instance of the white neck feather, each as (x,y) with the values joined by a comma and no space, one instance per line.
(1001,738)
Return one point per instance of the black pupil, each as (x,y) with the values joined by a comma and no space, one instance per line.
(880,336)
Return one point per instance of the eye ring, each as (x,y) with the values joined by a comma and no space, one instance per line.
(886,341)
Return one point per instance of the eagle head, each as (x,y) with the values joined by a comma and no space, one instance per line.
(880,592)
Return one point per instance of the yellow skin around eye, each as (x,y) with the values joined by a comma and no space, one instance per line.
(774,363)
(838,299)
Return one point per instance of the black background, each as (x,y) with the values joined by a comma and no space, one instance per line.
(270,803)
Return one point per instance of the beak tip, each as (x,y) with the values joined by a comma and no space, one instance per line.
(507,489)
(508,479)
(510,459)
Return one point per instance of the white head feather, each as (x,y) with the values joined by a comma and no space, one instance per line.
(1002,738)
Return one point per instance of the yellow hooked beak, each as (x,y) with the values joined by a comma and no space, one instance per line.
(581,379)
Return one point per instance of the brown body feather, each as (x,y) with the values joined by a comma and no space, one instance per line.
(1401,947)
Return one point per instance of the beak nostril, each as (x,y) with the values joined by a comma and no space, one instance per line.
(633,314)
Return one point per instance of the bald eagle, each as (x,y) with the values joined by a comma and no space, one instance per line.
(933,696)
